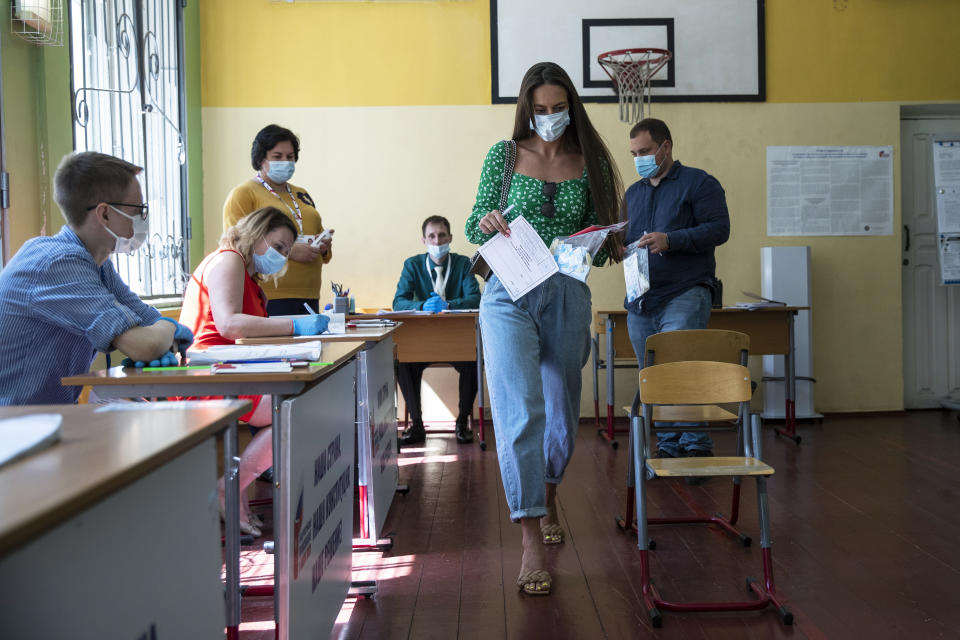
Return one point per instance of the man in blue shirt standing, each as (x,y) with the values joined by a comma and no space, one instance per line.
(61,301)
(680,214)
(435,281)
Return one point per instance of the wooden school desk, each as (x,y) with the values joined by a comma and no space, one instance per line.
(444,337)
(313,511)
(113,532)
(435,337)
(377,470)
(770,330)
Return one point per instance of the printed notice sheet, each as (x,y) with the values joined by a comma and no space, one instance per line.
(830,191)
(522,261)
(946,181)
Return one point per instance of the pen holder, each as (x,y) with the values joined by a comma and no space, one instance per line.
(340,304)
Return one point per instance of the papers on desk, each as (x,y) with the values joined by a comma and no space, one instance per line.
(383,313)
(309,351)
(337,324)
(251,367)
(180,405)
(24,435)
(759,302)
(520,262)
(460,311)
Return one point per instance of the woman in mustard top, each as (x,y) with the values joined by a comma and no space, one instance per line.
(273,155)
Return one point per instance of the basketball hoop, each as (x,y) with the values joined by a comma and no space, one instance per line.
(631,71)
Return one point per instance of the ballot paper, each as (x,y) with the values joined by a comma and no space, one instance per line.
(309,351)
(520,262)
(23,435)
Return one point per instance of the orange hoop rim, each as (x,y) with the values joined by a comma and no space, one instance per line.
(643,50)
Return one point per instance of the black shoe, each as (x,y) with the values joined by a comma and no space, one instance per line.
(663,453)
(266,476)
(698,453)
(414,434)
(464,434)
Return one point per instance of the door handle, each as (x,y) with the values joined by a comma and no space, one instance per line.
(906,233)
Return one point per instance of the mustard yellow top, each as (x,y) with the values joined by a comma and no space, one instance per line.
(302,280)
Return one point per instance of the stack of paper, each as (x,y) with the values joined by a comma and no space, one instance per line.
(23,435)
(256,352)
(759,302)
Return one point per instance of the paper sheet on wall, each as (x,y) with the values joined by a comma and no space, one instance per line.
(950,258)
(830,191)
(522,261)
(946,184)
(946,180)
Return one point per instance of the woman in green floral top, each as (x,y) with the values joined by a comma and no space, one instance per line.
(535,348)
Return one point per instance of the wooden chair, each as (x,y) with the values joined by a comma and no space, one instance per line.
(679,346)
(698,383)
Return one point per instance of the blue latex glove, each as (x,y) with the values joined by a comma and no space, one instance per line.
(166,360)
(310,325)
(182,335)
(435,303)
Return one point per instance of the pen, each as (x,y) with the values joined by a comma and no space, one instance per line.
(507,210)
(309,309)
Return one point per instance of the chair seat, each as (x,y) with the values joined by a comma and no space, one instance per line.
(690,413)
(720,466)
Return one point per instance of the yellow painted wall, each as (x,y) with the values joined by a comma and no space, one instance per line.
(378,159)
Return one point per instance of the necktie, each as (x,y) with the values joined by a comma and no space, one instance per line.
(438,280)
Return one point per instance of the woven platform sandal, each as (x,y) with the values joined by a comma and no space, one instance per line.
(535,583)
(552,533)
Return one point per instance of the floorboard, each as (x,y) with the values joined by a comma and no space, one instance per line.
(864,516)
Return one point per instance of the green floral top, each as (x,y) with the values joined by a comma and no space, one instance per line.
(572,203)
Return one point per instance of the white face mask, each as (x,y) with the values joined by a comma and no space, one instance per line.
(129,245)
(281,170)
(551,126)
(438,251)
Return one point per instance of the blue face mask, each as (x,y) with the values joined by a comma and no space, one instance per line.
(551,126)
(647,165)
(269,263)
(438,251)
(280,170)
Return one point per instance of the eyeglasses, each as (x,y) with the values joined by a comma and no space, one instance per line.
(547,209)
(144,208)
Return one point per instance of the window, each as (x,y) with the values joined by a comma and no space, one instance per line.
(128,101)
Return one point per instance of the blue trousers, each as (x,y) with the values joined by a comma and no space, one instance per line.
(689,310)
(534,351)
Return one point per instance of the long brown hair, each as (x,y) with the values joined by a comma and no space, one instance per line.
(580,137)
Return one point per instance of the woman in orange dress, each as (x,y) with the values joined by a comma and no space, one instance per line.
(224,301)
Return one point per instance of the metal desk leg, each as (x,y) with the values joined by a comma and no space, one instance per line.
(790,387)
(231,477)
(609,434)
(480,437)
(278,540)
(595,356)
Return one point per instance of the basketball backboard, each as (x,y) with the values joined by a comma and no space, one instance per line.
(717,45)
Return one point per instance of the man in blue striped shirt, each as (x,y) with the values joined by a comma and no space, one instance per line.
(61,300)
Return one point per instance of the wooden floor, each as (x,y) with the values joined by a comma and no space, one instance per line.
(865,514)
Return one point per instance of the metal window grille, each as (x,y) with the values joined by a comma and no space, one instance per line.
(128,101)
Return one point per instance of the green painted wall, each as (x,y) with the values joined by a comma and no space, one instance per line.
(38,108)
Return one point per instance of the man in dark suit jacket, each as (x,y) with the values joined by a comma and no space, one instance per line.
(435,281)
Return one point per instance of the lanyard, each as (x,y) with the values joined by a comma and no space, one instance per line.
(439,286)
(296,214)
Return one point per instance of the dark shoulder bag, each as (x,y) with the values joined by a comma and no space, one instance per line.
(478,266)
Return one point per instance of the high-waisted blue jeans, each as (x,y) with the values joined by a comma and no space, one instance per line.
(534,351)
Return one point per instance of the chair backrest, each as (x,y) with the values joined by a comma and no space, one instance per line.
(697,344)
(694,382)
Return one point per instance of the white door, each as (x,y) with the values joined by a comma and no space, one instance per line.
(931,311)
